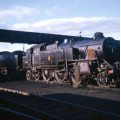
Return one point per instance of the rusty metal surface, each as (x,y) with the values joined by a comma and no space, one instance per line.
(77,73)
(91,53)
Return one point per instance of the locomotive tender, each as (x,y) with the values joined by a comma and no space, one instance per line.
(11,64)
(75,61)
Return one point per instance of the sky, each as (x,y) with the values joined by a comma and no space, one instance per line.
(67,17)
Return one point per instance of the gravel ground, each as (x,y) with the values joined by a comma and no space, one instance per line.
(42,88)
(107,99)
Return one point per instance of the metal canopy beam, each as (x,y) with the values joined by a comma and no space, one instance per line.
(12,36)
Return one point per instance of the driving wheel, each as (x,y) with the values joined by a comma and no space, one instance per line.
(46,75)
(37,76)
(60,76)
(28,75)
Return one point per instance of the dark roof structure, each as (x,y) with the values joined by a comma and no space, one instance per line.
(12,36)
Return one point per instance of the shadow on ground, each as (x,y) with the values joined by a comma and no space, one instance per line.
(93,102)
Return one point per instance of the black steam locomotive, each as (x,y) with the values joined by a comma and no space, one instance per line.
(75,61)
(11,64)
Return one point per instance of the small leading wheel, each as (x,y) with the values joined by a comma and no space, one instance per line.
(28,75)
(46,75)
(60,76)
(102,80)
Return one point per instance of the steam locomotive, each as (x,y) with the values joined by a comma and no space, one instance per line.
(76,62)
(11,64)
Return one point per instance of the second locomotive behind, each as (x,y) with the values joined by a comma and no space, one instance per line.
(11,64)
(75,61)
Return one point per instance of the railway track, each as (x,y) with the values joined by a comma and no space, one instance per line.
(13,115)
(42,107)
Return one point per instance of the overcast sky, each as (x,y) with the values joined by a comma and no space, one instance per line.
(67,17)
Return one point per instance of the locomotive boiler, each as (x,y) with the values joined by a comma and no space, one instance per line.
(74,61)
